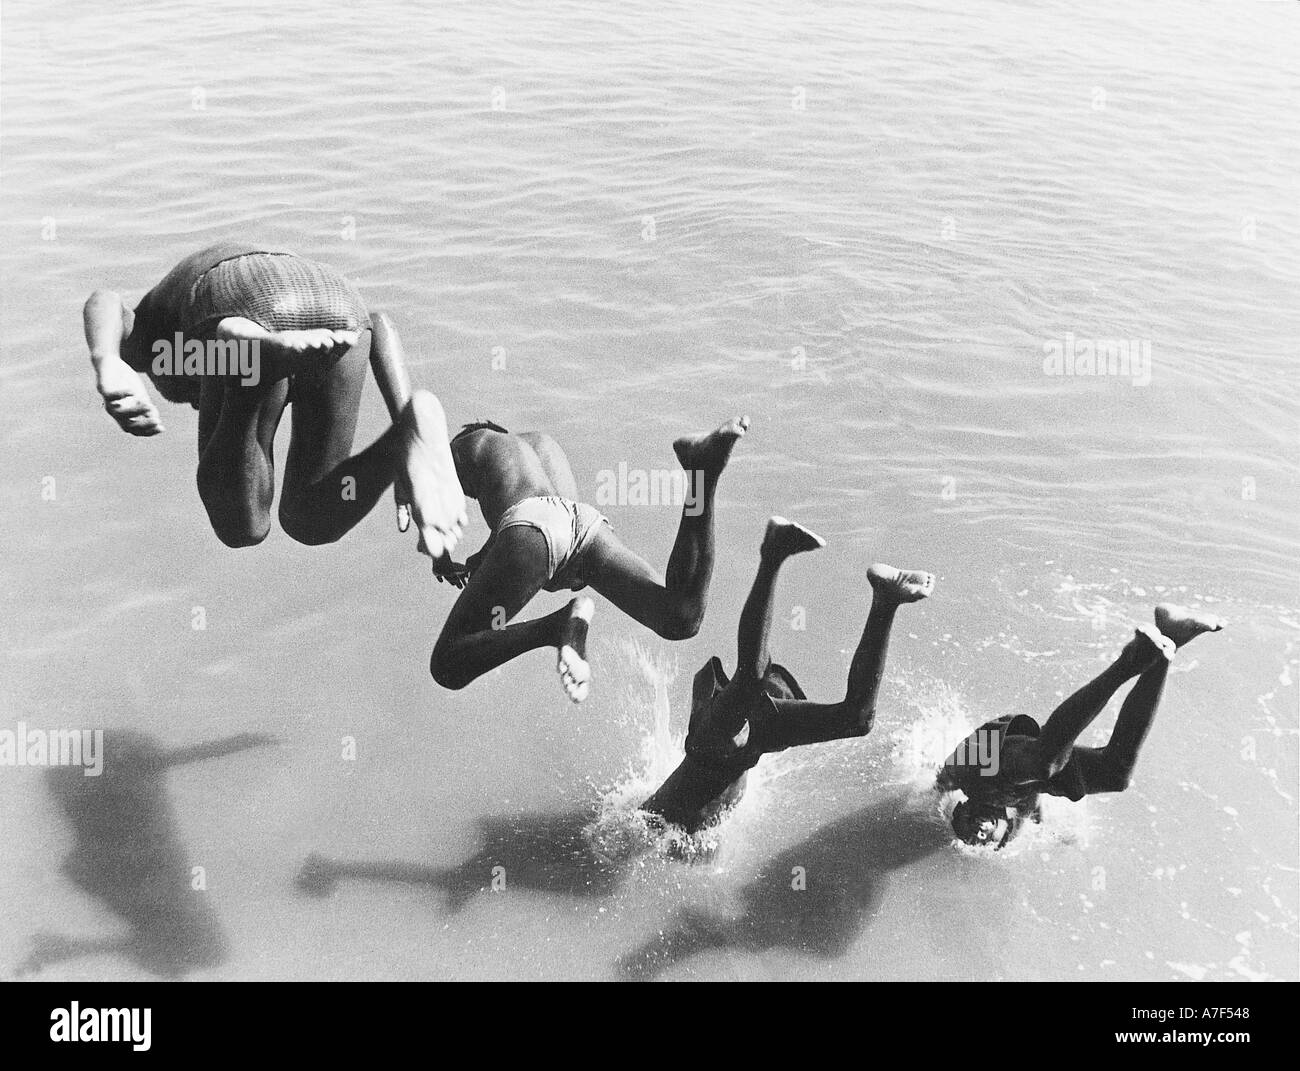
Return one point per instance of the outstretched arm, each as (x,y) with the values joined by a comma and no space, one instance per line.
(388,363)
(107,323)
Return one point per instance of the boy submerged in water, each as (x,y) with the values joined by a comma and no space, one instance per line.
(543,538)
(239,333)
(762,709)
(1005,765)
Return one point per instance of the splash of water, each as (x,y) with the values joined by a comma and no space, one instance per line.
(620,829)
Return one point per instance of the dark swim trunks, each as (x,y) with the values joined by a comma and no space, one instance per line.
(711,778)
(732,727)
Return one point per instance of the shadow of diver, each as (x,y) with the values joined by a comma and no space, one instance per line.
(128,855)
(845,867)
(546,853)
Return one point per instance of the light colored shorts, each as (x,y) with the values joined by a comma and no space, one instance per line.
(569,529)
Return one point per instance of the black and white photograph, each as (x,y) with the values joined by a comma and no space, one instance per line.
(692,490)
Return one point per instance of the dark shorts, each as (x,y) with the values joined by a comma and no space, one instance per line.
(1069,782)
(732,727)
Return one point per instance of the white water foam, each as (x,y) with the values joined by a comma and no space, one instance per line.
(620,829)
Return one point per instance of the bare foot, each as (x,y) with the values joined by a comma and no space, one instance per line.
(427,478)
(784,538)
(1182,625)
(571,664)
(899,585)
(291,351)
(314,341)
(1147,646)
(709,453)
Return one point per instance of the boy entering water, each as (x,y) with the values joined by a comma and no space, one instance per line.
(1016,760)
(762,709)
(257,331)
(542,537)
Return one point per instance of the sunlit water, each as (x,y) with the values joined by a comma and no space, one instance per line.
(861,226)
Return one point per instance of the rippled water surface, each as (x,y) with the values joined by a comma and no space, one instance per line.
(864,226)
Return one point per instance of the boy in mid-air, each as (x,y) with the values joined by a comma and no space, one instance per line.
(542,537)
(299,330)
(1005,765)
(762,709)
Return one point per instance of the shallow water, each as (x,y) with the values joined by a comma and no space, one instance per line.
(860,226)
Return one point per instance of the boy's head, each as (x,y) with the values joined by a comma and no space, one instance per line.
(980,823)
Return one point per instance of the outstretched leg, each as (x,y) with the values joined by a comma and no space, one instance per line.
(722,730)
(1110,768)
(708,781)
(673,608)
(782,540)
(478,636)
(1079,710)
(236,473)
(326,492)
(809,723)
(388,366)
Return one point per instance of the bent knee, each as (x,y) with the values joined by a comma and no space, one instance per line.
(239,537)
(680,625)
(237,529)
(445,673)
(300,528)
(1111,781)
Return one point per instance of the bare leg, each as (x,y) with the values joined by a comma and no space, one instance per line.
(702,457)
(388,365)
(809,723)
(782,540)
(1109,769)
(327,493)
(723,729)
(1079,710)
(236,473)
(674,608)
(478,637)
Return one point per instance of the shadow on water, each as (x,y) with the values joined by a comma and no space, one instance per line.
(128,855)
(847,865)
(547,853)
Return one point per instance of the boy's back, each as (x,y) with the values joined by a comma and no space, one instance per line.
(500,469)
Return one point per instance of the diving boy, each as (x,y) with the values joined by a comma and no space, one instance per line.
(762,709)
(1006,764)
(240,332)
(542,537)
